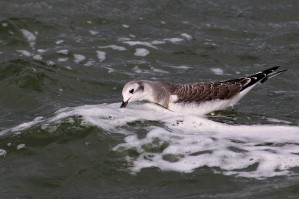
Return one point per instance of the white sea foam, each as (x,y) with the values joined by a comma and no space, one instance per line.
(278,121)
(59,41)
(181,67)
(23,126)
(122,39)
(141,43)
(136,69)
(101,55)
(187,36)
(25,52)
(92,32)
(158,70)
(37,57)
(141,52)
(114,47)
(4,25)
(2,152)
(62,59)
(41,50)
(174,40)
(155,42)
(31,38)
(217,71)
(78,58)
(21,146)
(63,51)
(110,70)
(182,143)
(50,63)
(90,62)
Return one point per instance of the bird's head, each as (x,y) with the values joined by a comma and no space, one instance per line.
(133,91)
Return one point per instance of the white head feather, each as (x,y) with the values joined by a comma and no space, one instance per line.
(134,91)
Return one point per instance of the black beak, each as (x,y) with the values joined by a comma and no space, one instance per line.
(124,104)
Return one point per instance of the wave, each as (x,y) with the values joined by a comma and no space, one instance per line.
(183,143)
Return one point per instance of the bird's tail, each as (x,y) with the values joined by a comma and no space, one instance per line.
(263,76)
(269,73)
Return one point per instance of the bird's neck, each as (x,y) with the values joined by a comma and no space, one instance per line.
(157,93)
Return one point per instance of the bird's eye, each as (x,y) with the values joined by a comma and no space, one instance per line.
(131,91)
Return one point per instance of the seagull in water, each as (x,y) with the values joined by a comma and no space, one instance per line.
(200,98)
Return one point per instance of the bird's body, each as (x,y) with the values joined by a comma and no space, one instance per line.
(199,98)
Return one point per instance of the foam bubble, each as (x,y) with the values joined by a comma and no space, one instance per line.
(174,40)
(158,42)
(31,38)
(41,50)
(63,51)
(278,121)
(90,63)
(2,152)
(50,63)
(62,59)
(110,70)
(158,70)
(114,47)
(181,67)
(21,146)
(217,71)
(136,69)
(124,39)
(182,143)
(141,43)
(187,36)
(59,41)
(37,57)
(4,25)
(78,58)
(92,32)
(25,52)
(141,52)
(101,55)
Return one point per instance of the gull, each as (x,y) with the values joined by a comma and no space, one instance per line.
(199,98)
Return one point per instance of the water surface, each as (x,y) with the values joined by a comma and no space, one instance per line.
(62,68)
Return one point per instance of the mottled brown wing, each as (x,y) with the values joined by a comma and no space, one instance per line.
(207,91)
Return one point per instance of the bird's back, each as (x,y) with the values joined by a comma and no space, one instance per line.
(207,91)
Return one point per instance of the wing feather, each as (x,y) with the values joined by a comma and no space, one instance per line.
(207,91)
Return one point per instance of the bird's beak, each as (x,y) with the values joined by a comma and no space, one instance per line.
(124,104)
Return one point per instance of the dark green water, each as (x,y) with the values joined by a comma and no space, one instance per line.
(74,57)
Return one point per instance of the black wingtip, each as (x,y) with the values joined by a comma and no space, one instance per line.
(263,76)
(270,70)
(269,75)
